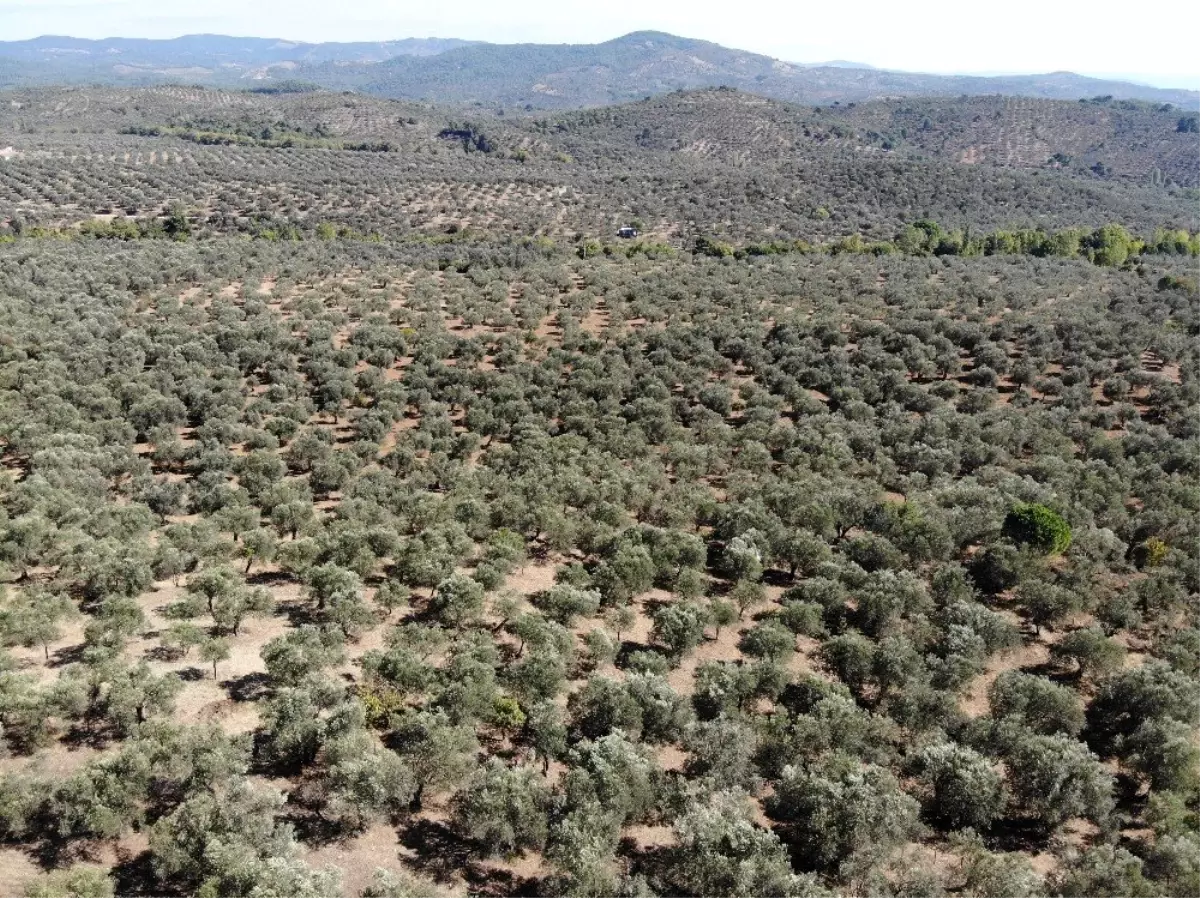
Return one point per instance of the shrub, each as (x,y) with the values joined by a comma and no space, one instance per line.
(1038,526)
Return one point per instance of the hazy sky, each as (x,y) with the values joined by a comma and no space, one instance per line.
(1102,37)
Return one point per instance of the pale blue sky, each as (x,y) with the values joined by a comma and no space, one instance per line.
(1102,37)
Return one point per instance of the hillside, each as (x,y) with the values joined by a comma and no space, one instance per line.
(648,63)
(542,76)
(718,163)
(199,57)
(1123,140)
(836,535)
(572,75)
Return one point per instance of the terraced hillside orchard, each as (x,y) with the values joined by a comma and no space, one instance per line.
(720,163)
(375,522)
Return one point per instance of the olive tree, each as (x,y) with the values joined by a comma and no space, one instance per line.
(841,813)
(503,809)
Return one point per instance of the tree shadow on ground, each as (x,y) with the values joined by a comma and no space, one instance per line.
(269,578)
(440,851)
(251,687)
(628,647)
(134,876)
(316,831)
(164,653)
(192,674)
(300,613)
(1017,835)
(71,654)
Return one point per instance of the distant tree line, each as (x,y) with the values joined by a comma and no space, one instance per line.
(1111,245)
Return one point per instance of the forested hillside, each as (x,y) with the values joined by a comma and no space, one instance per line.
(215,58)
(542,76)
(375,522)
(1106,139)
(712,163)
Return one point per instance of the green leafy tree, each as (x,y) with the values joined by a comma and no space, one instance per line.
(615,774)
(1038,526)
(182,637)
(1103,871)
(679,627)
(503,809)
(1165,753)
(77,882)
(457,600)
(36,619)
(1093,654)
(102,800)
(1055,778)
(214,651)
(546,730)
(604,705)
(210,584)
(217,842)
(1036,702)
(563,602)
(620,620)
(329,583)
(350,613)
(961,787)
(1127,700)
(770,640)
(233,607)
(747,594)
(128,695)
(721,613)
(391,596)
(398,884)
(722,753)
(258,545)
(299,654)
(987,874)
(298,720)
(440,753)
(1046,603)
(722,852)
(363,781)
(841,813)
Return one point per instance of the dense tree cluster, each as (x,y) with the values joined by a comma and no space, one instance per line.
(628,573)
(717,164)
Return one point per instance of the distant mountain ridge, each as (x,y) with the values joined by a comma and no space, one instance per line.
(215,58)
(540,76)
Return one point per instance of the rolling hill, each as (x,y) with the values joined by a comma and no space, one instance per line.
(716,163)
(648,63)
(540,76)
(1110,139)
(203,57)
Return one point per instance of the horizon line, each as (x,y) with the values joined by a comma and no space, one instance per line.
(1138,79)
